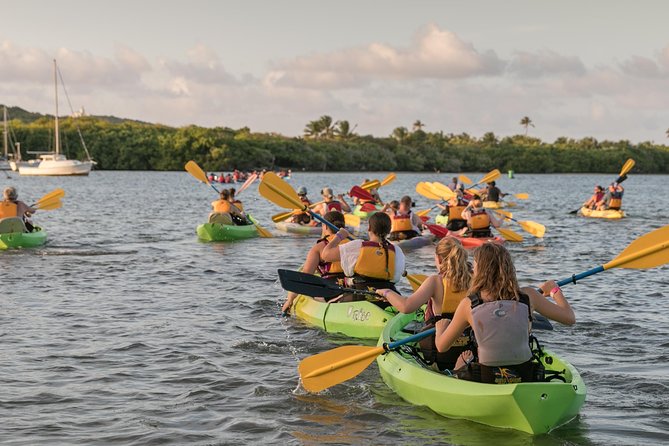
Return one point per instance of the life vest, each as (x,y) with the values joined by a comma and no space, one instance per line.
(330,269)
(616,200)
(501,328)
(402,223)
(375,262)
(221,205)
(8,209)
(333,206)
(455,212)
(479,219)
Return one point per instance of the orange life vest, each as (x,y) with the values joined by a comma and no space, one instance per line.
(221,205)
(455,212)
(401,223)
(616,200)
(373,262)
(479,219)
(8,209)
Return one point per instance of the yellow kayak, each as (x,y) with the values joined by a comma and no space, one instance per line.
(608,213)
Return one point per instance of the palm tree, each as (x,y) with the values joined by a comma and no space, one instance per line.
(343,129)
(418,125)
(526,122)
(400,133)
(313,129)
(326,126)
(667,133)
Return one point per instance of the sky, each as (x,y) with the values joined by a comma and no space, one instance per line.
(575,68)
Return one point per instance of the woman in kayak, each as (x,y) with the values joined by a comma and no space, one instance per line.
(479,220)
(596,197)
(11,206)
(330,204)
(499,313)
(376,263)
(442,292)
(225,212)
(405,224)
(315,263)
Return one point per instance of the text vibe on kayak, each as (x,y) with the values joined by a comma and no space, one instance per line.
(358,314)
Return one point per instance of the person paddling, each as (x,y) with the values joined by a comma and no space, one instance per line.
(479,220)
(492,192)
(596,197)
(330,204)
(613,199)
(453,210)
(500,314)
(226,213)
(405,224)
(302,218)
(376,263)
(314,261)
(11,206)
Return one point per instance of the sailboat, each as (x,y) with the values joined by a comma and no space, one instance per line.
(55,163)
(4,162)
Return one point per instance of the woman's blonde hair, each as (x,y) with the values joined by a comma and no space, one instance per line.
(494,273)
(453,264)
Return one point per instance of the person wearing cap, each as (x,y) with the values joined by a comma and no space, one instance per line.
(596,197)
(330,204)
(492,192)
(613,199)
(302,218)
(11,206)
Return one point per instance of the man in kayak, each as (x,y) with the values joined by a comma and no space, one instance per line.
(376,263)
(330,204)
(405,224)
(226,213)
(479,220)
(11,206)
(596,197)
(492,192)
(302,218)
(499,313)
(453,210)
(613,199)
(315,263)
(453,185)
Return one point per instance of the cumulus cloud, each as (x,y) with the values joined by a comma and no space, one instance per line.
(203,66)
(433,54)
(546,63)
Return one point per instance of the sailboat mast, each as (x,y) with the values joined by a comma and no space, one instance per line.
(5,130)
(55,81)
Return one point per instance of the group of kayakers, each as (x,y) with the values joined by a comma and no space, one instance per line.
(611,199)
(239,176)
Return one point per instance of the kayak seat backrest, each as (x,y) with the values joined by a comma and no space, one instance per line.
(12,224)
(222,218)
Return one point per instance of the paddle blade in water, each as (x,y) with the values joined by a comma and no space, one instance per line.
(464,179)
(389,179)
(279,192)
(374,184)
(648,251)
(307,284)
(324,370)
(264,233)
(534,228)
(522,196)
(510,235)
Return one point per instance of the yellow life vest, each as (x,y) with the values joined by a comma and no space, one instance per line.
(327,268)
(450,300)
(401,223)
(455,212)
(616,201)
(479,219)
(373,262)
(8,209)
(221,205)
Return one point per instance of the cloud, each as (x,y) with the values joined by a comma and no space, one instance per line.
(545,64)
(203,66)
(433,54)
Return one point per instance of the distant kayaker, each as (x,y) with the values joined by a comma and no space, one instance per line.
(499,313)
(225,212)
(11,206)
(405,224)
(442,293)
(376,263)
(492,192)
(613,199)
(302,218)
(453,210)
(453,185)
(596,197)
(315,263)
(330,204)
(479,220)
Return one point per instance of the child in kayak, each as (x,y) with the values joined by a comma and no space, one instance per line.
(315,263)
(442,292)
(376,263)
(499,313)
(479,220)
(405,224)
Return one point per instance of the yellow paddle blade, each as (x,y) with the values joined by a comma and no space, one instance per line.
(522,196)
(263,232)
(324,370)
(415,280)
(473,192)
(374,184)
(352,220)
(45,203)
(532,227)
(276,218)
(279,192)
(627,167)
(442,190)
(195,170)
(49,206)
(425,189)
(424,213)
(464,179)
(506,214)
(56,194)
(389,179)
(490,176)
(509,235)
(648,251)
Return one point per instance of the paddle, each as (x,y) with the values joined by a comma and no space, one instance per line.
(464,179)
(416,280)
(389,179)
(55,194)
(521,196)
(310,285)
(51,205)
(531,227)
(438,230)
(487,178)
(195,170)
(622,176)
(373,184)
(276,218)
(324,370)
(352,220)
(247,183)
(362,194)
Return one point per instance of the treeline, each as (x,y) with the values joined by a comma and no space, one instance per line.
(131,145)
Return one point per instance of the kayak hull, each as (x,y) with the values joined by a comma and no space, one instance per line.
(360,319)
(296,228)
(364,215)
(23,239)
(215,232)
(608,213)
(475,242)
(535,408)
(414,243)
(498,204)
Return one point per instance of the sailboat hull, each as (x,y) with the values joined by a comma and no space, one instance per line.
(60,167)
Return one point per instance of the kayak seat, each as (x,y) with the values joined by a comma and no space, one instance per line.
(222,218)
(12,224)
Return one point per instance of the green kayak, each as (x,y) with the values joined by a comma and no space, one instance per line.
(359,319)
(215,232)
(535,408)
(23,239)
(365,215)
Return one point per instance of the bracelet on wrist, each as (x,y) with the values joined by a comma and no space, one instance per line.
(555,290)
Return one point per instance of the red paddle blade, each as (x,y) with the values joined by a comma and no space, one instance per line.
(359,192)
(425,218)
(438,231)
(368,207)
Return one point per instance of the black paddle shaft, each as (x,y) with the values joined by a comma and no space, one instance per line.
(314,286)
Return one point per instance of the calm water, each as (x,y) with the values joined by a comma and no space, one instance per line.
(124,329)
